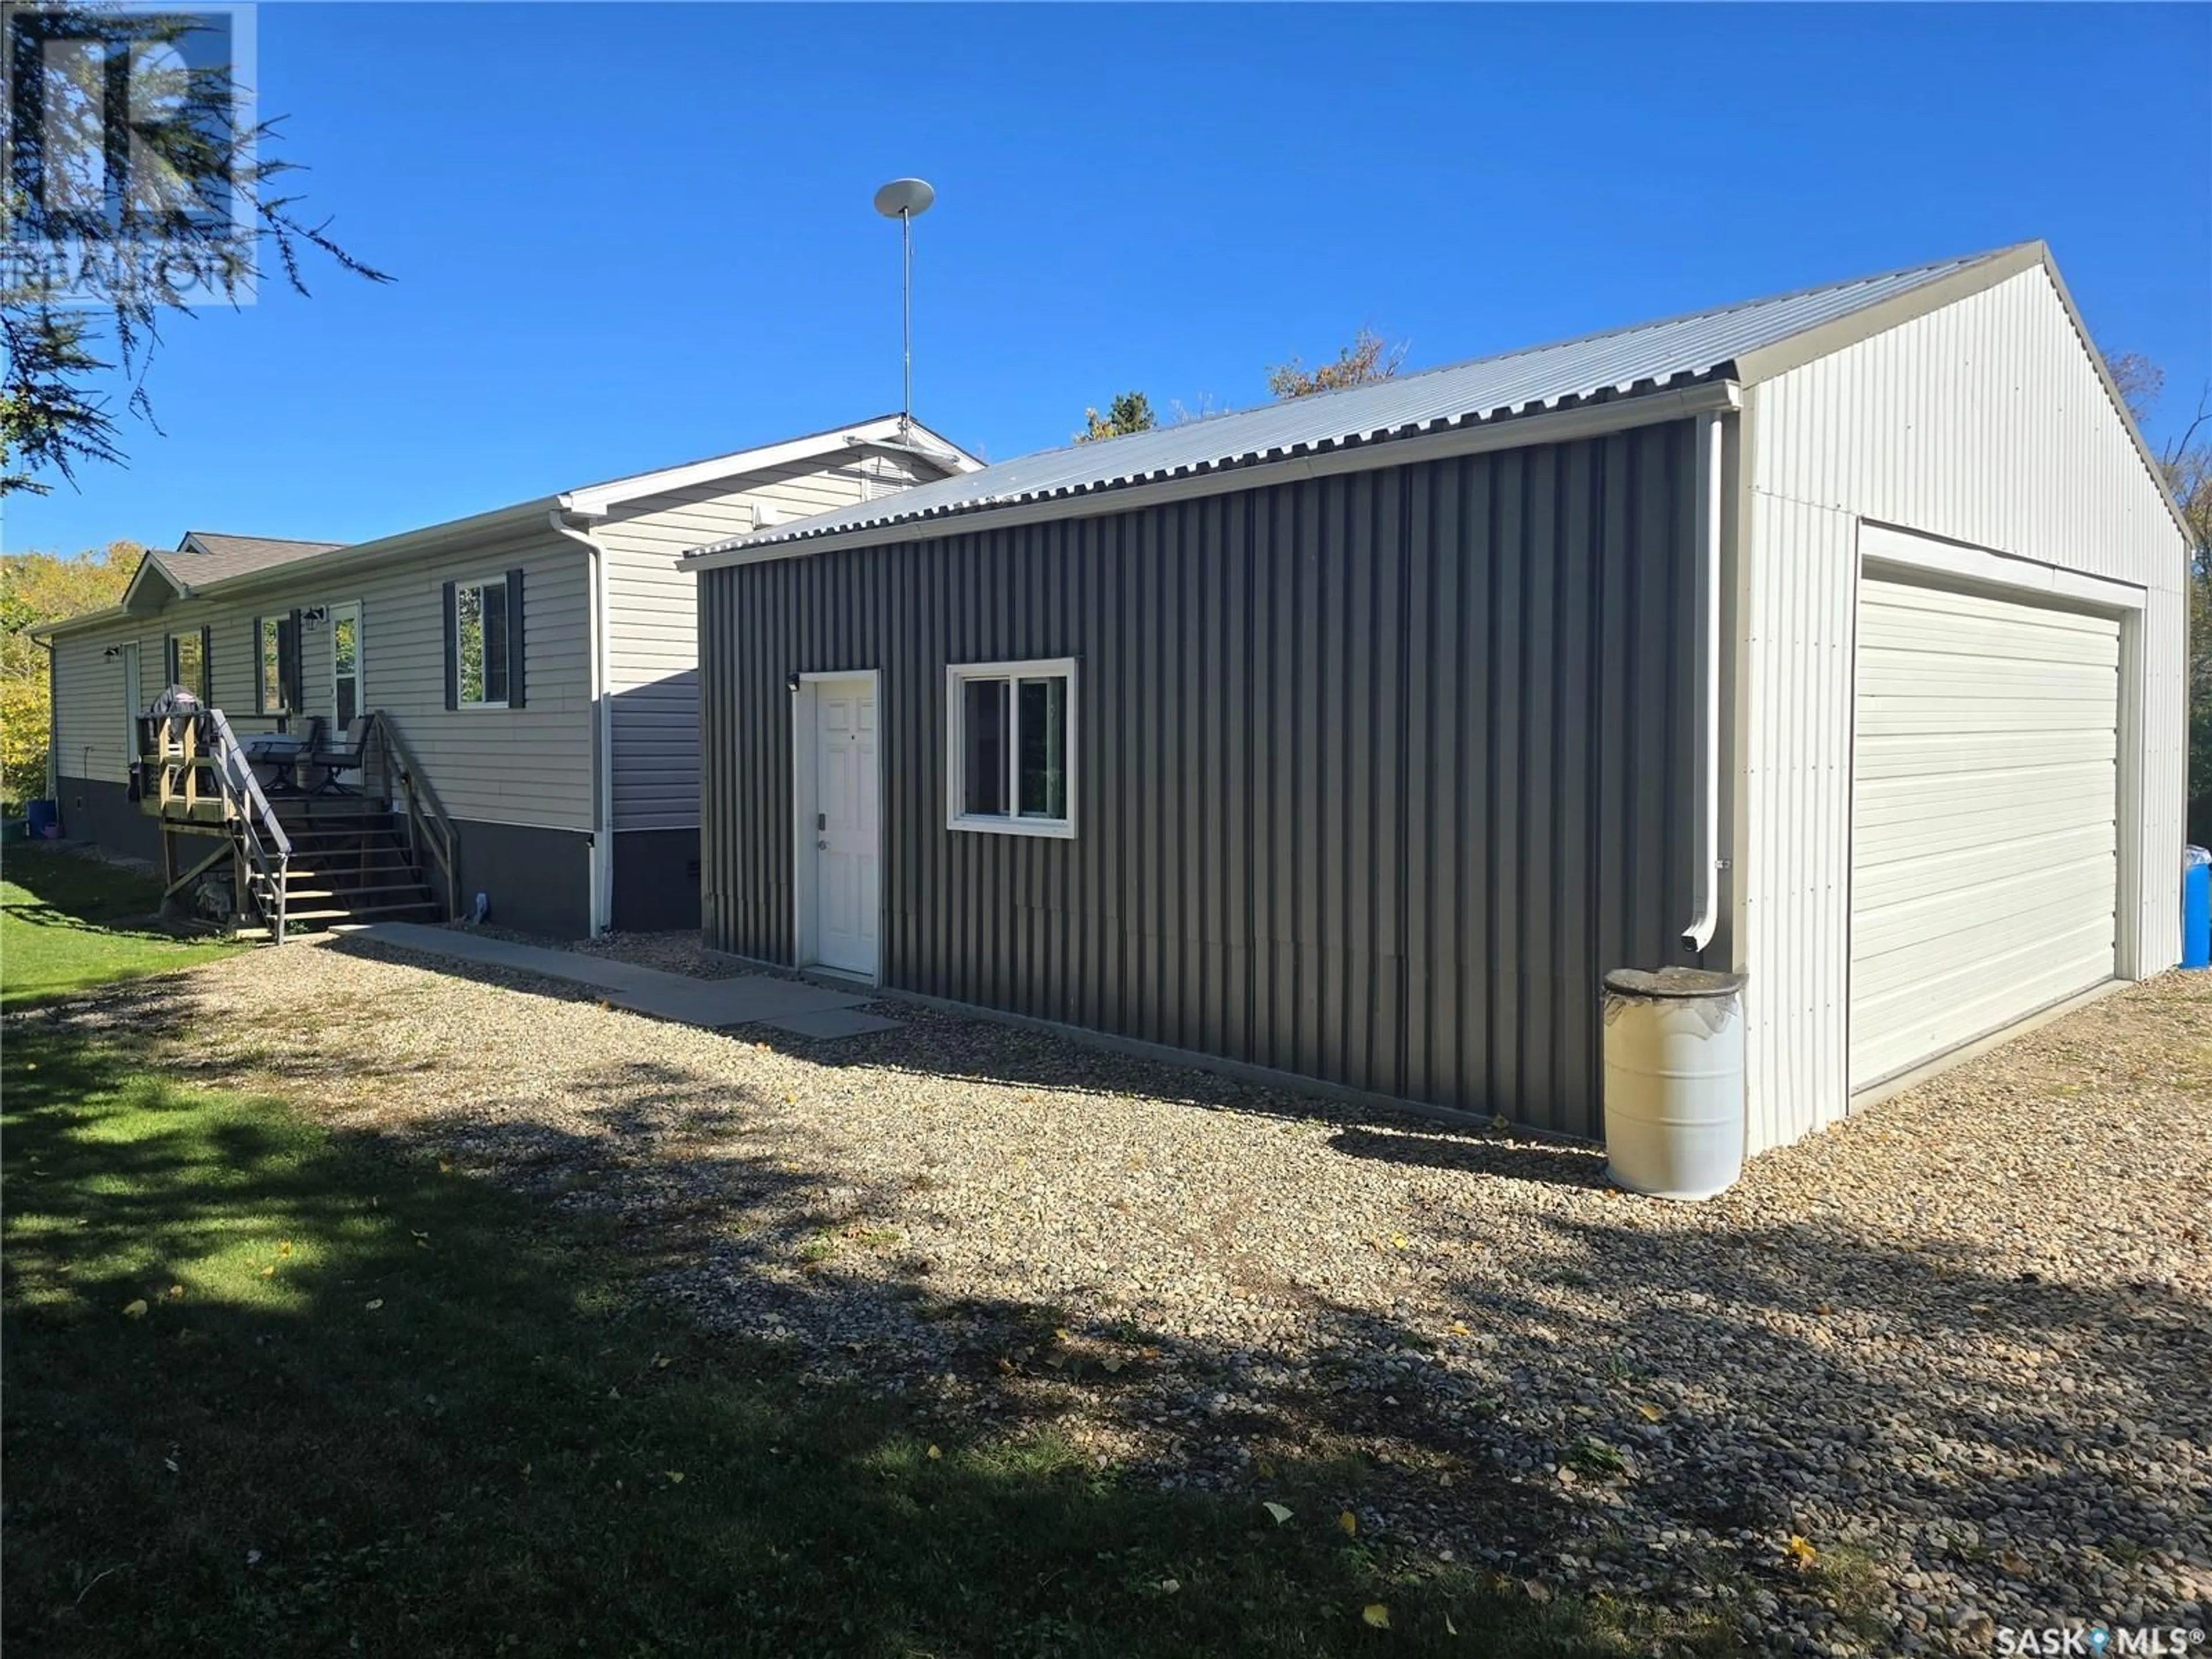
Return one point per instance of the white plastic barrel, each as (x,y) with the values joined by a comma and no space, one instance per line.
(1673,1080)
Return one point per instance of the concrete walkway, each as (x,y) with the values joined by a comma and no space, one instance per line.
(813,1010)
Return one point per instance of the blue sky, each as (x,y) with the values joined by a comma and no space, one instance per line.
(627,236)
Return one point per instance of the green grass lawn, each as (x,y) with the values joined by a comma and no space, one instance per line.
(274,1391)
(67,922)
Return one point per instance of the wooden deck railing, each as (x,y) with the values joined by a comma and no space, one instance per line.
(202,777)
(432,840)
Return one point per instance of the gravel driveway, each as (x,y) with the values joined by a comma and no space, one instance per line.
(1959,1347)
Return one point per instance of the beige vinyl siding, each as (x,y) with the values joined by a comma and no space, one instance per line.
(653,651)
(1983,423)
(89,718)
(529,766)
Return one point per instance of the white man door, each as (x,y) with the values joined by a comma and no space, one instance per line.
(847,852)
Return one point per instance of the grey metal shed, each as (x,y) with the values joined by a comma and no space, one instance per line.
(1349,739)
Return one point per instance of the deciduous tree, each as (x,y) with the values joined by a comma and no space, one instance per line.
(36,588)
(2187,460)
(1369,357)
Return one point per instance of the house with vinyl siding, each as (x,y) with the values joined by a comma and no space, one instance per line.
(539,662)
(1835,638)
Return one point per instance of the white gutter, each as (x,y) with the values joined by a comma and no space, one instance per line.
(1699,934)
(603,792)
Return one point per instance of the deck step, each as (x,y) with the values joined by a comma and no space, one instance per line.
(355,912)
(293,895)
(350,872)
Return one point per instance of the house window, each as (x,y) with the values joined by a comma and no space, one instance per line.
(480,632)
(1009,747)
(268,663)
(188,663)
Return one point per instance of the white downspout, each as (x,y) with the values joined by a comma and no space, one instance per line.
(603,809)
(1699,934)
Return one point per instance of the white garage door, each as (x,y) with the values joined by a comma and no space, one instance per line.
(1984,879)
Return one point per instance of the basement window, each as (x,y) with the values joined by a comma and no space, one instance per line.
(1010,735)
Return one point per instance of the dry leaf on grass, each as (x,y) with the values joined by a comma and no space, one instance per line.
(1280,1511)
(1350,1522)
(1376,1615)
(134,1310)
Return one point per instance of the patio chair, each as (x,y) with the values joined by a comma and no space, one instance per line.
(333,761)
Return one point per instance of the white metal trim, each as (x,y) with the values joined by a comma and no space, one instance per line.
(1915,552)
(805,798)
(955,778)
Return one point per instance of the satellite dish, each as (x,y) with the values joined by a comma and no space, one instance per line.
(903,199)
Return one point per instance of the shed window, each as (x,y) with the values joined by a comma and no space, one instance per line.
(1009,747)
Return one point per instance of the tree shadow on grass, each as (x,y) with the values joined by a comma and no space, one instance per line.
(70,890)
(274,1389)
(2049,1446)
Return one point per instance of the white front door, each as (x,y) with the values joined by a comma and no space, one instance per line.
(346,690)
(846,851)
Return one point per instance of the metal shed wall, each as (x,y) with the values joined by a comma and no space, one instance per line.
(1379,770)
(1984,423)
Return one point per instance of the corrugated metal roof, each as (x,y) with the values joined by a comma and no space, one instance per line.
(1647,357)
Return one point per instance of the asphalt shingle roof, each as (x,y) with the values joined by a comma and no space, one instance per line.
(205,556)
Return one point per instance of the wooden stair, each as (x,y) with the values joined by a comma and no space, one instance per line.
(349,865)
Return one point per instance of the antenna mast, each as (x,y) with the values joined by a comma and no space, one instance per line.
(902,199)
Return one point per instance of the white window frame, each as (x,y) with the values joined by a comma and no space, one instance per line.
(957,675)
(262,702)
(481,584)
(172,664)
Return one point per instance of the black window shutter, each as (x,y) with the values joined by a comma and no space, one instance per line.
(169,660)
(514,677)
(207,666)
(453,650)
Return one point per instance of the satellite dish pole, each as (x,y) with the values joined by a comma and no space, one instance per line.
(902,199)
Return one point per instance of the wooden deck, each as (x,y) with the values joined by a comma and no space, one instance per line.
(380,850)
